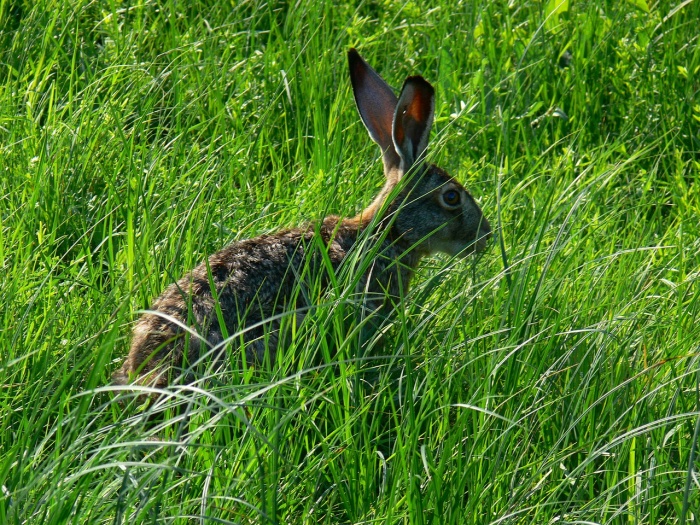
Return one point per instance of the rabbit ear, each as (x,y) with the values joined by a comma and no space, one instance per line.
(376,103)
(413,119)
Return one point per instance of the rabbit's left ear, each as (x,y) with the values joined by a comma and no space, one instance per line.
(376,103)
(412,120)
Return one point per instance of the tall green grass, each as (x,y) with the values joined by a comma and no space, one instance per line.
(556,379)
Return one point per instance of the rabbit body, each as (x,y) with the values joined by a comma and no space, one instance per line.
(253,280)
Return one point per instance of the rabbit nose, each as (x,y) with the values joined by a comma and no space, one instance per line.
(484,234)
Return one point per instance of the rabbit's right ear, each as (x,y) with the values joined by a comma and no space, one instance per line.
(413,120)
(376,103)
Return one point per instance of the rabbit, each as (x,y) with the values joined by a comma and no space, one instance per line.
(253,280)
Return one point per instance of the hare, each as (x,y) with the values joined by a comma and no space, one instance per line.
(254,280)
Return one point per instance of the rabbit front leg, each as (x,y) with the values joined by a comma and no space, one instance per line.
(380,291)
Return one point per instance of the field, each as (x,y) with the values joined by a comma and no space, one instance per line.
(555,379)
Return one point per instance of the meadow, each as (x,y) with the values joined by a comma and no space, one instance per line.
(555,379)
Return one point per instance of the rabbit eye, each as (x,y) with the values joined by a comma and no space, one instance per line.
(451,197)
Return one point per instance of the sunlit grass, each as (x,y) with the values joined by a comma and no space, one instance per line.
(555,379)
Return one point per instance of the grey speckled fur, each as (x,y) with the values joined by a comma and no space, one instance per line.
(254,279)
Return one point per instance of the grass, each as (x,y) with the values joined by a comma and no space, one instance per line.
(556,379)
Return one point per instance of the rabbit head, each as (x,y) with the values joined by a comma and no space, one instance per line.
(431,210)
